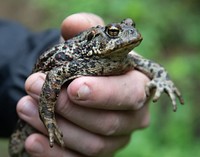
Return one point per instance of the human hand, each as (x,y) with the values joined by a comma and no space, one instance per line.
(96,114)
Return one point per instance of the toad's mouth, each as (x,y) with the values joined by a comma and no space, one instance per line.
(138,39)
(123,47)
(134,42)
(126,48)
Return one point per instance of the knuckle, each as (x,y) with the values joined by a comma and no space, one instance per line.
(139,101)
(96,147)
(111,125)
(63,108)
(145,122)
(64,105)
(144,119)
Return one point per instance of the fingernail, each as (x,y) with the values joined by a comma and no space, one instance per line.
(83,92)
(28,109)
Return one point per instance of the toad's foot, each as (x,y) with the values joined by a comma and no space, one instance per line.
(54,134)
(164,86)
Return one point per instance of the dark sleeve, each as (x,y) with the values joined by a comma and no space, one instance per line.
(19,50)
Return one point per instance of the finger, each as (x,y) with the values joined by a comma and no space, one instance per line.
(90,144)
(110,92)
(98,121)
(34,83)
(75,138)
(104,122)
(27,108)
(37,145)
(76,23)
(102,92)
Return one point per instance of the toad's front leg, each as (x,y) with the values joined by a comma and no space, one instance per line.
(159,79)
(48,97)
(47,101)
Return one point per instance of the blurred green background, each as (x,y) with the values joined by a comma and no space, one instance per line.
(171,32)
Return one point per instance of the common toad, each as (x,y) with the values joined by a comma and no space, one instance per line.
(98,51)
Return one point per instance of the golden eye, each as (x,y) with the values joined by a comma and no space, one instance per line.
(113,30)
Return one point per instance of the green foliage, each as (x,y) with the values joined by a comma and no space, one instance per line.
(3,147)
(171,37)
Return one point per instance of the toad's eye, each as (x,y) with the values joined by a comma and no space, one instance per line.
(112,30)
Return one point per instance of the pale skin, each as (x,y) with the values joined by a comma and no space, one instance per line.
(97,115)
